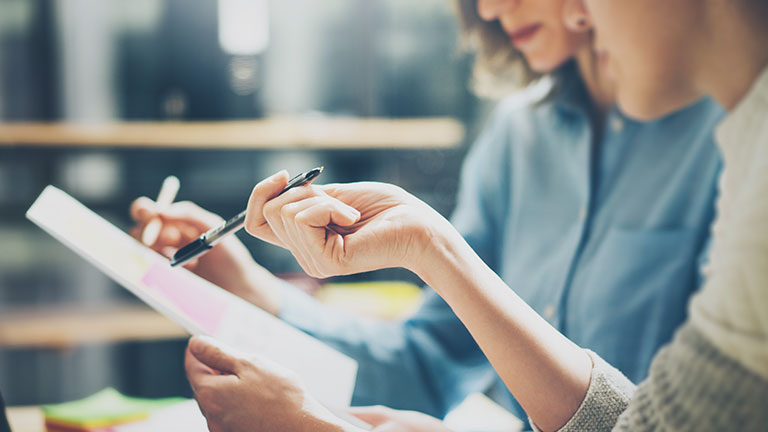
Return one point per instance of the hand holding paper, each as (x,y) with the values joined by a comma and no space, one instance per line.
(193,302)
(239,393)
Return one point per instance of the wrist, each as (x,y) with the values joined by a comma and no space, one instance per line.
(262,288)
(439,251)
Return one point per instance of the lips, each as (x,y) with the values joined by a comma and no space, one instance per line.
(523,34)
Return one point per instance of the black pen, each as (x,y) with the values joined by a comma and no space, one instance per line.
(208,240)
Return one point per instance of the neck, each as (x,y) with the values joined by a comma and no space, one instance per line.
(736,51)
(599,88)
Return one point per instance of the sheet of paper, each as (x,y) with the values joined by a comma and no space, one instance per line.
(196,304)
(182,417)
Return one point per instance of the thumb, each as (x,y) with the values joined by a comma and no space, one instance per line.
(191,214)
(143,209)
(263,192)
(210,352)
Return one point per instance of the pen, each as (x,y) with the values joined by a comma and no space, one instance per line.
(209,239)
(167,194)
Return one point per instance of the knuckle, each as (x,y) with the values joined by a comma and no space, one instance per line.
(288,211)
(268,207)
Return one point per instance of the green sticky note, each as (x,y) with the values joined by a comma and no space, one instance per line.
(105,408)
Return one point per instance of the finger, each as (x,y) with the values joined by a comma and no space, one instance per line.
(196,370)
(191,214)
(322,222)
(272,211)
(168,251)
(142,209)
(170,235)
(297,239)
(151,231)
(324,211)
(202,376)
(315,238)
(189,232)
(373,415)
(267,189)
(208,351)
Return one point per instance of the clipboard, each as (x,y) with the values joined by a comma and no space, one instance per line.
(199,306)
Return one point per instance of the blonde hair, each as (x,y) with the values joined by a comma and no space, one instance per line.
(499,68)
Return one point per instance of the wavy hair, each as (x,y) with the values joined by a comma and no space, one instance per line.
(499,68)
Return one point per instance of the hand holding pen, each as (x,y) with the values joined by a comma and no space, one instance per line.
(229,265)
(209,239)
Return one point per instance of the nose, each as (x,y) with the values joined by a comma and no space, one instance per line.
(491,10)
(576,16)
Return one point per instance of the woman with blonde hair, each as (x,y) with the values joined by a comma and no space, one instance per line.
(714,374)
(562,196)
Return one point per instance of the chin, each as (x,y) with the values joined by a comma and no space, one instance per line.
(545,65)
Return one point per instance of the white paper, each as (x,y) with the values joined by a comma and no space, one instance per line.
(181,417)
(478,413)
(198,305)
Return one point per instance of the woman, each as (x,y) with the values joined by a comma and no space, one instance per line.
(714,375)
(556,198)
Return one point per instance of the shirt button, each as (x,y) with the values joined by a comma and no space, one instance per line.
(583,214)
(617,124)
(549,312)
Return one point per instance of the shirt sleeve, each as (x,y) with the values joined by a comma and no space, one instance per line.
(692,386)
(428,362)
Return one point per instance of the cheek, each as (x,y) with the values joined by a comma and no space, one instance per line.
(556,46)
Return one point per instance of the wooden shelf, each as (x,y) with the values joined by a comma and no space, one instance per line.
(272,132)
(66,327)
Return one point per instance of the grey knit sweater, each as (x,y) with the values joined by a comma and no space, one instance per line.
(691,387)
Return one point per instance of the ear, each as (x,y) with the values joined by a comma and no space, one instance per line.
(576,16)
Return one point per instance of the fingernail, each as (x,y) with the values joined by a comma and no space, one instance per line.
(276,175)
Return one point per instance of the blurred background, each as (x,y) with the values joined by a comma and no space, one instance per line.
(104,98)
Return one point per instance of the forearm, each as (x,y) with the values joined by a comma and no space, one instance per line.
(259,287)
(548,374)
(423,364)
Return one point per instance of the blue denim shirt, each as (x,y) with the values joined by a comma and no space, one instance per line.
(602,234)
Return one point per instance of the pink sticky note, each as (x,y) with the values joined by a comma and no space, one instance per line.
(184,291)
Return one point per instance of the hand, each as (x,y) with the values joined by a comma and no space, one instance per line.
(228,265)
(385,419)
(248,394)
(345,228)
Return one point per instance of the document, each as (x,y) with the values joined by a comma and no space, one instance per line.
(196,304)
